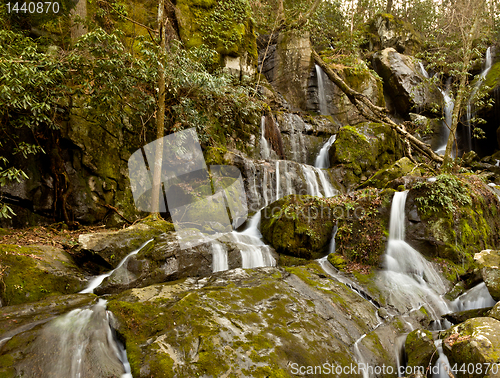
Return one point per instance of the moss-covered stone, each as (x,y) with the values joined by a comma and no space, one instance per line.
(364,149)
(489,262)
(420,349)
(453,218)
(400,168)
(299,226)
(212,326)
(32,273)
(476,341)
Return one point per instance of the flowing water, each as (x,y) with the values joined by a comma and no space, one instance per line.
(470,104)
(323,158)
(322,102)
(265,150)
(219,257)
(94,283)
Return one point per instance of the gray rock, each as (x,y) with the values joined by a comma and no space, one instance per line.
(404,83)
(420,349)
(489,261)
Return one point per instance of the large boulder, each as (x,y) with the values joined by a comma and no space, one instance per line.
(442,219)
(288,66)
(420,349)
(299,226)
(260,323)
(386,30)
(405,84)
(164,261)
(476,342)
(31,273)
(108,248)
(363,149)
(228,30)
(489,261)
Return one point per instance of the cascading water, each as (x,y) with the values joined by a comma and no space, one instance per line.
(219,257)
(470,105)
(78,344)
(265,150)
(409,279)
(94,283)
(448,114)
(323,159)
(477,297)
(322,102)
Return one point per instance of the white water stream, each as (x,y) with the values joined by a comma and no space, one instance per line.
(322,102)
(96,281)
(323,159)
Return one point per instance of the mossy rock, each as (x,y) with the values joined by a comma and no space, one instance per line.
(476,341)
(452,218)
(401,168)
(108,248)
(225,26)
(489,262)
(420,349)
(337,261)
(299,226)
(36,272)
(250,322)
(364,149)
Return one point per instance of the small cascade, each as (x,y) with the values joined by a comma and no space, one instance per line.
(254,252)
(470,104)
(265,150)
(323,104)
(311,181)
(477,297)
(442,367)
(78,344)
(333,245)
(360,359)
(219,257)
(448,118)
(94,283)
(323,158)
(409,279)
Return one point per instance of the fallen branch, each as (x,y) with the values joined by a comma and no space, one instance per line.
(374,113)
(116,211)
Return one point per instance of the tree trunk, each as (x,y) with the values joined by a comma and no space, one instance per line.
(160,117)
(388,8)
(78,29)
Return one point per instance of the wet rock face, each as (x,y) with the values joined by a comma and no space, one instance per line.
(257,323)
(404,82)
(489,261)
(35,272)
(476,341)
(420,349)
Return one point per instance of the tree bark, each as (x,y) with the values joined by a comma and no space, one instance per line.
(160,117)
(388,8)
(374,113)
(78,29)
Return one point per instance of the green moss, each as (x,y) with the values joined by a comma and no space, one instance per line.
(337,261)
(492,79)
(26,279)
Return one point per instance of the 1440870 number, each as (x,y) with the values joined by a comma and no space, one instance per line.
(32,7)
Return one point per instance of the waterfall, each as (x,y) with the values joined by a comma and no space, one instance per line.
(448,114)
(477,297)
(448,119)
(323,158)
(219,257)
(98,279)
(323,105)
(254,252)
(311,181)
(410,280)
(78,344)
(333,246)
(470,106)
(265,150)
